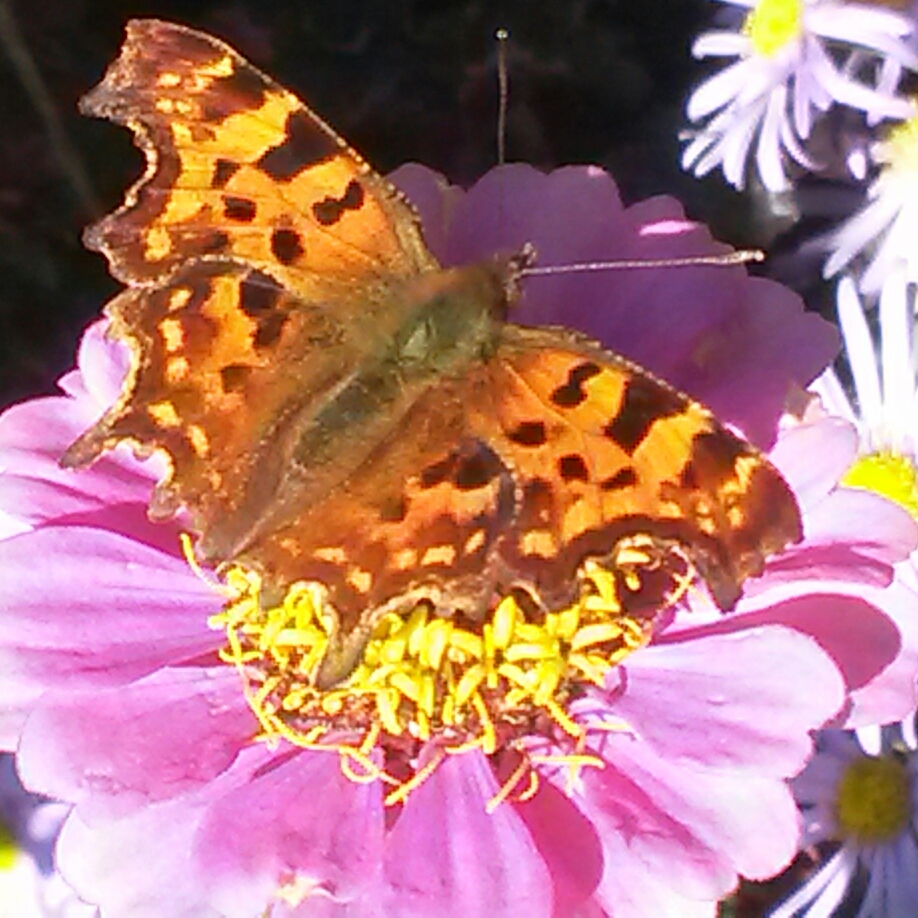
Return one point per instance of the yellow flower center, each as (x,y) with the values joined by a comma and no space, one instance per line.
(873,799)
(465,684)
(900,146)
(772,24)
(8,848)
(890,474)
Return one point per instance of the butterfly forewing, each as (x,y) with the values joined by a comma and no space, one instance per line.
(239,167)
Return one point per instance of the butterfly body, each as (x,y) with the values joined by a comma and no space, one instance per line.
(337,408)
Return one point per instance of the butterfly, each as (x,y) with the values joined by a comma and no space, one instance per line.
(338,408)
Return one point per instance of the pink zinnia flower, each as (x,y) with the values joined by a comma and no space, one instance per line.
(115,696)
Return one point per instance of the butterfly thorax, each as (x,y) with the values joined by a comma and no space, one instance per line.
(435,327)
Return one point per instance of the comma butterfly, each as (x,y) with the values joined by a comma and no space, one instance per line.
(338,408)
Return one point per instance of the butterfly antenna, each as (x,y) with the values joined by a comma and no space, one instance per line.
(502,35)
(739,257)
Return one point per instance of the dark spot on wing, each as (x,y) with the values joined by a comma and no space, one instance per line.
(644,403)
(572,392)
(623,478)
(330,210)
(242,210)
(714,457)
(537,504)
(394,509)
(529,433)
(572,468)
(259,294)
(224,170)
(477,470)
(242,91)
(233,377)
(304,145)
(438,472)
(688,478)
(286,245)
(214,242)
(269,329)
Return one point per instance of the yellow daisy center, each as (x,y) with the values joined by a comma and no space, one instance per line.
(900,147)
(8,849)
(890,474)
(772,24)
(873,799)
(464,684)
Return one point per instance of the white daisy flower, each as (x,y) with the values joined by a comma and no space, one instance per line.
(30,887)
(864,802)
(885,230)
(783,74)
(885,409)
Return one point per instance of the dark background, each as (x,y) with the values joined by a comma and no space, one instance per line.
(591,81)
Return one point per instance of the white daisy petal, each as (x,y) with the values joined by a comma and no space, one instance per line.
(870,739)
(864,26)
(910,733)
(720,44)
(892,881)
(736,145)
(832,395)
(859,348)
(822,892)
(716,92)
(862,231)
(856,95)
(793,147)
(896,352)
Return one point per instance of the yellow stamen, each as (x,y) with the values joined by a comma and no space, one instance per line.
(873,799)
(573,762)
(772,24)
(889,474)
(427,679)
(510,785)
(417,779)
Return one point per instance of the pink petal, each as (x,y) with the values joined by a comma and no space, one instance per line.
(688,829)
(568,843)
(858,636)
(726,682)
(832,441)
(103,365)
(297,815)
(146,863)
(84,607)
(447,856)
(114,751)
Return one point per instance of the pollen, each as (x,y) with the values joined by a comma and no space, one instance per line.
(887,473)
(873,799)
(773,24)
(900,146)
(458,683)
